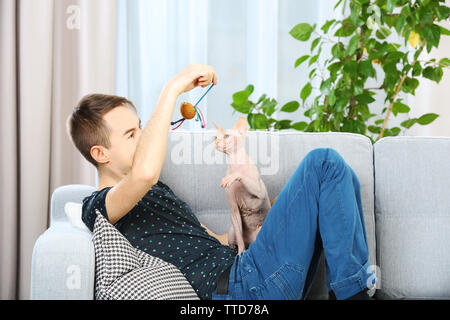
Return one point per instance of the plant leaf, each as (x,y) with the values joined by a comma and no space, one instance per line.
(410,85)
(364,98)
(315,43)
(395,131)
(383,33)
(427,118)
(366,69)
(374,129)
(313,59)
(432,34)
(445,31)
(283,124)
(351,68)
(341,103)
(408,123)
(243,107)
(399,107)
(352,45)
(444,62)
(299,125)
(302,31)
(338,50)
(332,98)
(325,86)
(327,25)
(306,91)
(434,74)
(241,97)
(250,88)
(290,106)
(443,12)
(301,60)
(268,106)
(260,121)
(346,30)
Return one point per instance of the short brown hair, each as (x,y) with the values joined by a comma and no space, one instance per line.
(85,125)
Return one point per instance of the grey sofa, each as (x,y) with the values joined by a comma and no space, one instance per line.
(405,185)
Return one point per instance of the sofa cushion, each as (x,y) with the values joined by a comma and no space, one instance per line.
(124,272)
(412,206)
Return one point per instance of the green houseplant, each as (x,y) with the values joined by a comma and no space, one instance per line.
(360,48)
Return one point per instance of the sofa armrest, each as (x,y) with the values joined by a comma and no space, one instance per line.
(63,264)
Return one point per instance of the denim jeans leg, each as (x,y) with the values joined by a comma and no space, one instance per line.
(322,195)
(286,252)
(342,227)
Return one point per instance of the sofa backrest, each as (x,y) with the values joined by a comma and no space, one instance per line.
(412,210)
(193,169)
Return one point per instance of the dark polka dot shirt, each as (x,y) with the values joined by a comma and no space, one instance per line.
(164,226)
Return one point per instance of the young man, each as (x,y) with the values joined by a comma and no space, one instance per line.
(322,194)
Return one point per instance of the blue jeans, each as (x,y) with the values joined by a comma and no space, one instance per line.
(318,209)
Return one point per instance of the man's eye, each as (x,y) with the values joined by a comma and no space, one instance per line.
(131,135)
(226,136)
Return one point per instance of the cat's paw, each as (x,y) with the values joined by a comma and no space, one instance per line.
(229,180)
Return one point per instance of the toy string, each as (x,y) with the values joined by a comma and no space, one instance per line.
(197,111)
(204,94)
(202,119)
(182,120)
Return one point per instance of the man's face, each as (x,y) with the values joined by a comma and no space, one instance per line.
(125,131)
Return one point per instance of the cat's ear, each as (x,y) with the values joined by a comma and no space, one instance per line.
(241,125)
(218,128)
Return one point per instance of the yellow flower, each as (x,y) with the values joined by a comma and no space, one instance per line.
(414,39)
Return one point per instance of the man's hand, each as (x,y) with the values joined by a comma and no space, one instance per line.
(223,238)
(193,76)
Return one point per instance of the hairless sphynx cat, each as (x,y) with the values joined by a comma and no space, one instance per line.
(245,190)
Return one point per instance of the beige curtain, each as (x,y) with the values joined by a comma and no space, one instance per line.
(9,152)
(52,52)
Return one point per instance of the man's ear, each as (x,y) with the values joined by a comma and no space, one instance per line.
(99,154)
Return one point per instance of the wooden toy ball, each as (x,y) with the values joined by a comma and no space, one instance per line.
(187,110)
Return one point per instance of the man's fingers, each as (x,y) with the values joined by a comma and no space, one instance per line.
(204,83)
(205,78)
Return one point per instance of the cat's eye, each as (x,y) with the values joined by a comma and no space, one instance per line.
(215,137)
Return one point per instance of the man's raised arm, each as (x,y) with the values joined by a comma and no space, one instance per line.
(151,148)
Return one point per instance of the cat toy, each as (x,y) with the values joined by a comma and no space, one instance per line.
(188,111)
